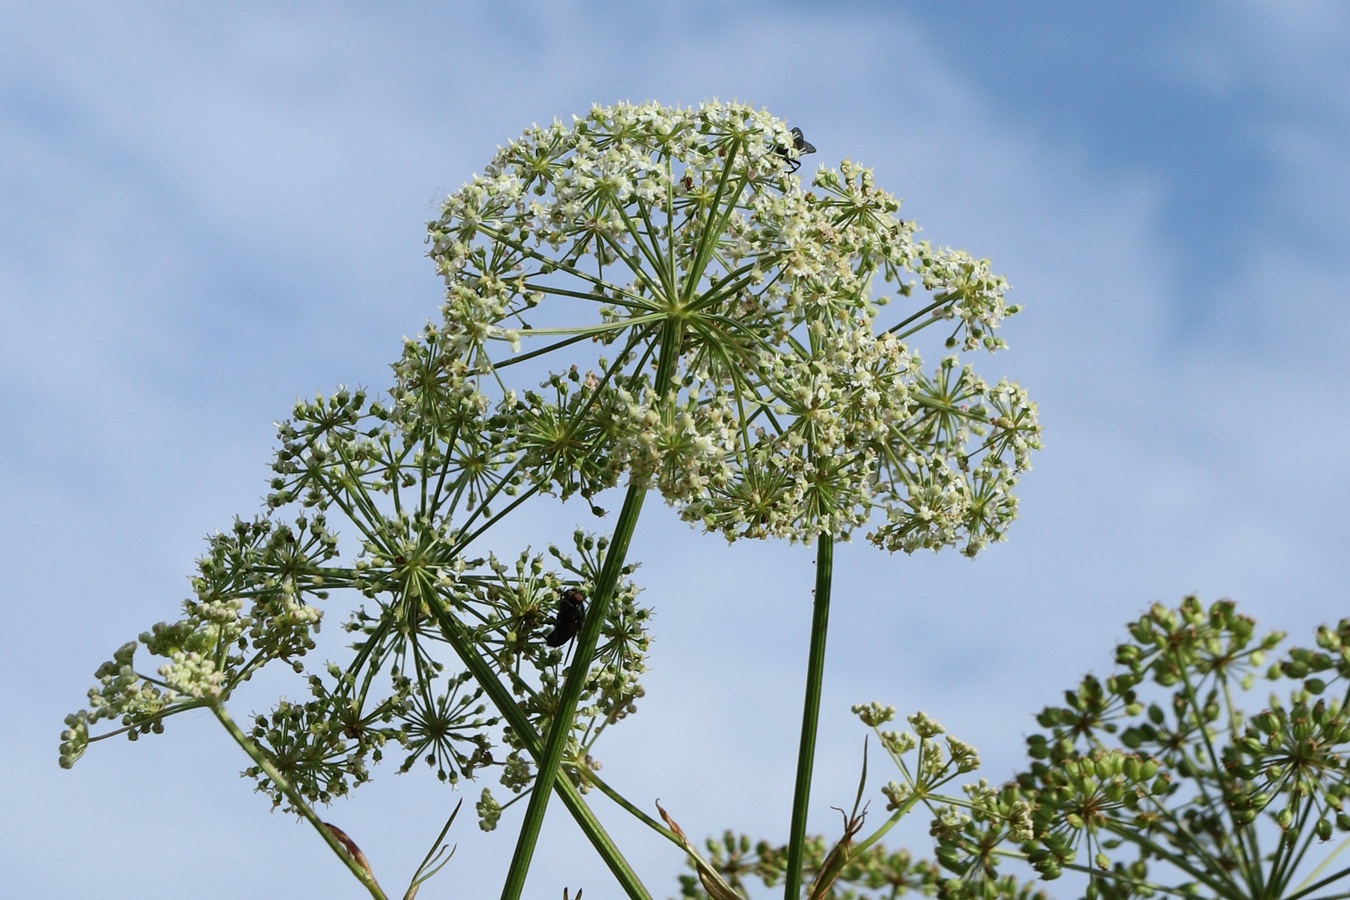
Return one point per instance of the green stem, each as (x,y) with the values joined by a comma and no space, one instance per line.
(1306,888)
(298,802)
(806,754)
(900,813)
(510,710)
(1308,883)
(606,585)
(625,804)
(1209,873)
(561,726)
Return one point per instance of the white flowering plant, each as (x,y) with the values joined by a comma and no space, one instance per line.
(1155,781)
(647,298)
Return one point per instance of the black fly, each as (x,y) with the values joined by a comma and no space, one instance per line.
(800,144)
(571,614)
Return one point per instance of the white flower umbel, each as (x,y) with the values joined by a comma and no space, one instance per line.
(679,241)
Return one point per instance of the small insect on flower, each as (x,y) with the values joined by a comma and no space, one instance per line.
(801,145)
(571,613)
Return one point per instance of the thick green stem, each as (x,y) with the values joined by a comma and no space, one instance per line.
(806,754)
(515,717)
(605,587)
(298,802)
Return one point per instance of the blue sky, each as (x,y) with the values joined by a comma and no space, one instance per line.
(206,214)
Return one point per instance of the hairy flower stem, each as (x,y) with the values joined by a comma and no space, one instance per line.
(806,754)
(265,763)
(510,710)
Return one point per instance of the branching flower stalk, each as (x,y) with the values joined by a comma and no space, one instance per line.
(1159,780)
(440,461)
(258,594)
(649,295)
(750,385)
(928,759)
(1154,781)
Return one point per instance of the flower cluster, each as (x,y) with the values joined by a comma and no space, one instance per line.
(254,604)
(742,370)
(421,478)
(1181,793)
(1185,779)
(969,832)
(416,480)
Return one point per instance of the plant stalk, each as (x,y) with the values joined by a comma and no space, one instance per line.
(606,585)
(806,754)
(510,710)
(561,727)
(265,763)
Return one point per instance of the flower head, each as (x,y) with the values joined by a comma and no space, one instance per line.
(739,365)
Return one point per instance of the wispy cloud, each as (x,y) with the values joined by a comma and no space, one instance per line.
(202,216)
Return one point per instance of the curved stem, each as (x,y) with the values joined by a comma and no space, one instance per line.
(298,802)
(1208,872)
(1309,885)
(630,808)
(806,754)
